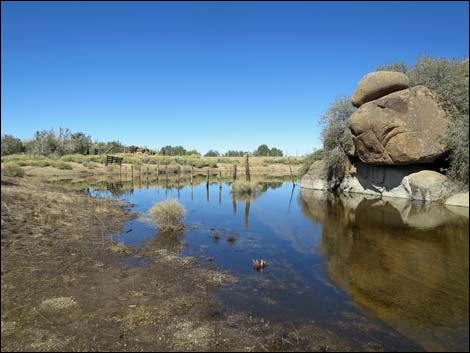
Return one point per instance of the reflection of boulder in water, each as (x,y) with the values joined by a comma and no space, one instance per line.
(406,262)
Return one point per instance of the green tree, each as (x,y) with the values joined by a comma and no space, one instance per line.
(275,152)
(262,150)
(80,143)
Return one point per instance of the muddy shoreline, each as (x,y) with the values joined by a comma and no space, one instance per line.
(65,286)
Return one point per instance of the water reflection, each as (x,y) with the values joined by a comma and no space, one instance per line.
(406,262)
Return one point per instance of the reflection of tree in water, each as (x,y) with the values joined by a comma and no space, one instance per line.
(400,261)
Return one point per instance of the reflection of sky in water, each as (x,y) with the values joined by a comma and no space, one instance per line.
(297,283)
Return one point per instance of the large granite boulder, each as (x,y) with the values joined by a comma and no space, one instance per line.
(404,127)
(378,84)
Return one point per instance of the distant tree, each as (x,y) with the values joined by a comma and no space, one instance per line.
(262,150)
(173,151)
(212,153)
(43,143)
(11,145)
(80,143)
(192,152)
(231,153)
(275,152)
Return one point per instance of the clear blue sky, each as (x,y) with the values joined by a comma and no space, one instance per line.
(205,75)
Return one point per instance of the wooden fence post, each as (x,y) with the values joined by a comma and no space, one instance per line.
(192,167)
(234,172)
(247,169)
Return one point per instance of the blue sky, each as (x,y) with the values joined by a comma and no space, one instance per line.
(221,75)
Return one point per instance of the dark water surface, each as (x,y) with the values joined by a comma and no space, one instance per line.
(390,272)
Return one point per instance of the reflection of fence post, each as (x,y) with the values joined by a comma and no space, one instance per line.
(234,203)
(234,172)
(247,169)
(247,212)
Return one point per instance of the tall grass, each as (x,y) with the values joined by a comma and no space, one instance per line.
(12,169)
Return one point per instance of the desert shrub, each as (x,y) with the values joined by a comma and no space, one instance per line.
(457,141)
(12,169)
(310,159)
(169,215)
(337,139)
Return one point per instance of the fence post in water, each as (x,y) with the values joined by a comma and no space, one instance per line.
(247,169)
(207,182)
(192,167)
(158,171)
(166,171)
(234,172)
(220,179)
(291,175)
(147,172)
(132,172)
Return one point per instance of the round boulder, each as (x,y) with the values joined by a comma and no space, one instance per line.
(378,84)
(403,127)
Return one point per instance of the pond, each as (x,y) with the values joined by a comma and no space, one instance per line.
(390,272)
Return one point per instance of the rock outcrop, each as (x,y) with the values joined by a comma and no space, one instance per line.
(378,84)
(405,127)
(408,182)
(398,133)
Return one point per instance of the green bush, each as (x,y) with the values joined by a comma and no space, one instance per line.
(169,215)
(12,169)
(337,139)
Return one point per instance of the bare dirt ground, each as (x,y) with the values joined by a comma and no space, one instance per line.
(65,286)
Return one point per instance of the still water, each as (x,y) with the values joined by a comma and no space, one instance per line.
(391,272)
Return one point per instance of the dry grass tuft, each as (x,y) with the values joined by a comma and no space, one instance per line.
(169,215)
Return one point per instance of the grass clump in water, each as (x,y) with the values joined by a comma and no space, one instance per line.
(169,215)
(13,170)
(245,188)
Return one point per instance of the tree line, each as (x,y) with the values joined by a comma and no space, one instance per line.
(63,141)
